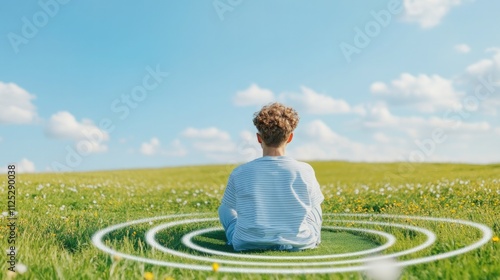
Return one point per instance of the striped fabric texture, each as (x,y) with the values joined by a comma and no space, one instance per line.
(274,197)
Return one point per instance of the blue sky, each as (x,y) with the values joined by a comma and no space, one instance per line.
(178,81)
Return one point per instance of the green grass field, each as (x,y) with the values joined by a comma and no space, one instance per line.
(59,213)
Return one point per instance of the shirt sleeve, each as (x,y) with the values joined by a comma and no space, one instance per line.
(229,198)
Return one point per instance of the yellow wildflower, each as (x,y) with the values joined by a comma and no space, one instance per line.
(215,267)
(149,276)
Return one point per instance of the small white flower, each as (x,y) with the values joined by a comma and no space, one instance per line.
(21,268)
(8,251)
(384,269)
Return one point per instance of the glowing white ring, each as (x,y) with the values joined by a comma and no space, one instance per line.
(150,239)
(187,240)
(487,235)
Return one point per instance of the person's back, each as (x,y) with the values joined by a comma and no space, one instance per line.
(273,202)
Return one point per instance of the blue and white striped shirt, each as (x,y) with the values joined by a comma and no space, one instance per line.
(273,197)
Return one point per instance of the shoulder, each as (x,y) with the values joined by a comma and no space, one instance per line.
(244,167)
(304,166)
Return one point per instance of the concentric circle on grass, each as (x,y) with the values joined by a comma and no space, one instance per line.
(487,233)
(390,240)
(150,239)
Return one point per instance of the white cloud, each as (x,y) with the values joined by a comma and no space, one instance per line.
(247,135)
(22,166)
(307,101)
(248,148)
(210,133)
(424,93)
(379,117)
(25,166)
(318,130)
(150,148)
(154,147)
(209,140)
(480,67)
(486,67)
(315,103)
(482,81)
(215,144)
(378,87)
(427,13)
(63,125)
(215,147)
(462,48)
(381,137)
(253,96)
(15,105)
(317,141)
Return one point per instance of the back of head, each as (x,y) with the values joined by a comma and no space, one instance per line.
(275,122)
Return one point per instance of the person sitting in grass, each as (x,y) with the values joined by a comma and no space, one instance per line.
(273,202)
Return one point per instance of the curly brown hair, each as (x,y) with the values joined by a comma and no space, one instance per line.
(275,122)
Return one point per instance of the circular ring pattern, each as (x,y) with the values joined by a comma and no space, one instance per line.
(150,239)
(391,239)
(487,234)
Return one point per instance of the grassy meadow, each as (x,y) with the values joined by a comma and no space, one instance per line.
(59,213)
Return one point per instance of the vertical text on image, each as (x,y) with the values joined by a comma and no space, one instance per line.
(11,218)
